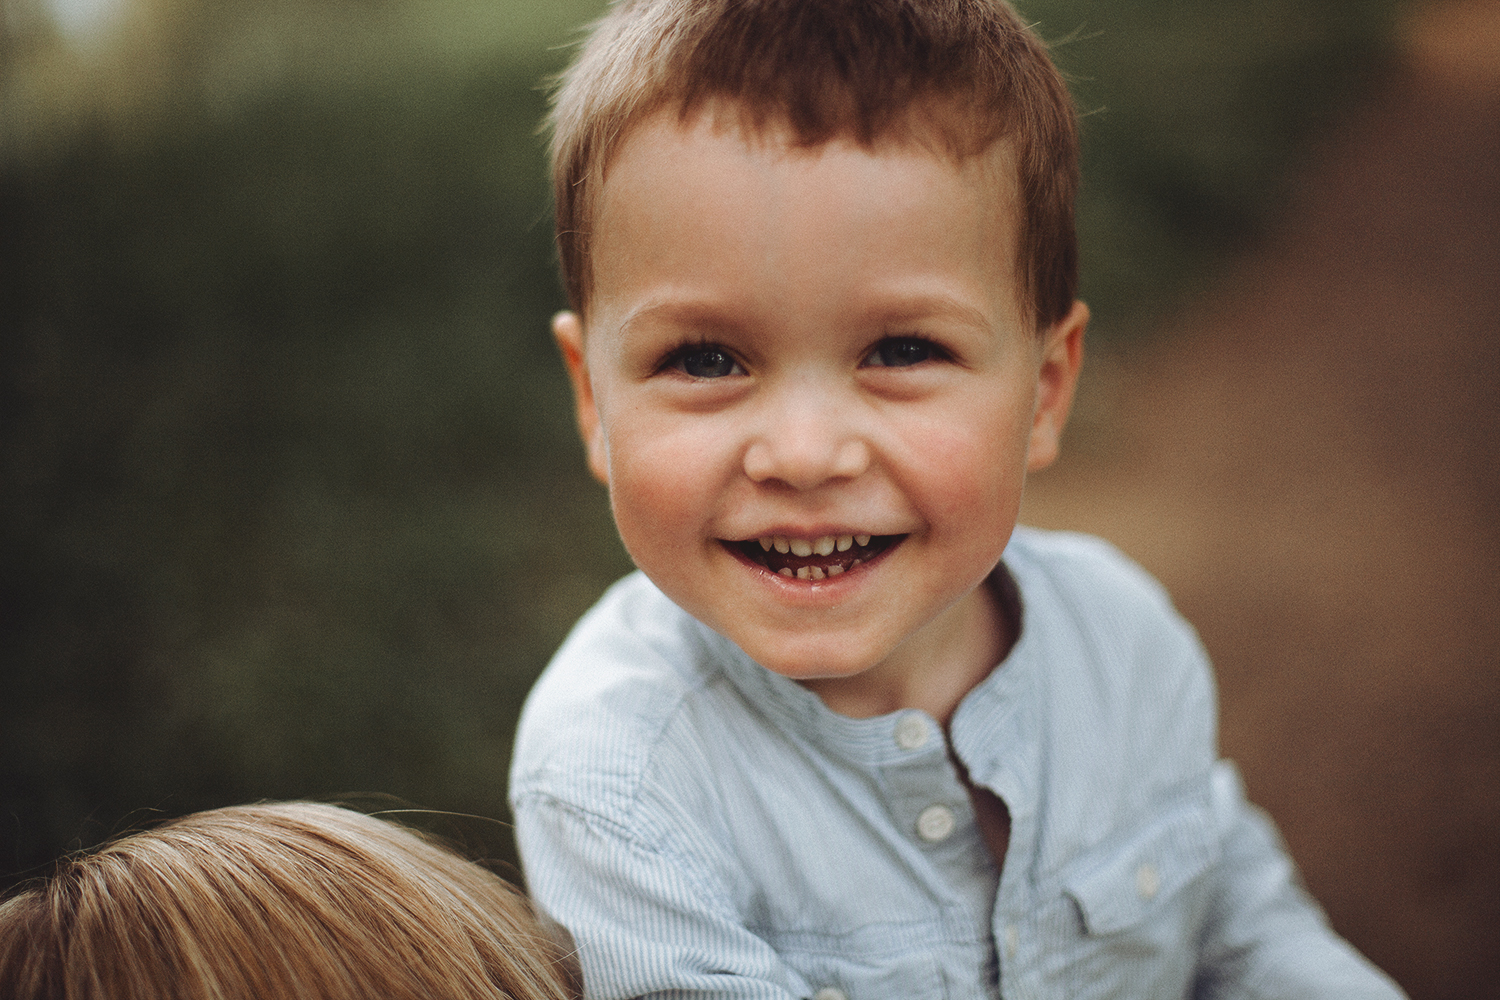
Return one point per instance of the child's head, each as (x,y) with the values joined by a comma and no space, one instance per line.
(282,900)
(822,256)
(962,73)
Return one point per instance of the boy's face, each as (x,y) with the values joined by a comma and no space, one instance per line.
(799,348)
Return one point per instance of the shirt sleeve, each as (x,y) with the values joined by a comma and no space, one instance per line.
(1265,938)
(646,923)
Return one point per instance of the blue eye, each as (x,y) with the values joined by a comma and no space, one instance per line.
(901,352)
(706,361)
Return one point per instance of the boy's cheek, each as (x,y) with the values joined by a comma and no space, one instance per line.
(963,463)
(657,481)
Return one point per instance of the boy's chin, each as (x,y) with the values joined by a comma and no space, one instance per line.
(805,664)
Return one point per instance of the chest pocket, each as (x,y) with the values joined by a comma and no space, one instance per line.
(1141,897)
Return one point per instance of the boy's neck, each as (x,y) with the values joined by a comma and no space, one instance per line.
(937,666)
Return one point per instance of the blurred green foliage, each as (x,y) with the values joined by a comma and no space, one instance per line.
(1195,115)
(292,503)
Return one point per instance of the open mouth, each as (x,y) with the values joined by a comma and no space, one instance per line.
(813,558)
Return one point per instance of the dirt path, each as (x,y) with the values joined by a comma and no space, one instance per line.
(1313,468)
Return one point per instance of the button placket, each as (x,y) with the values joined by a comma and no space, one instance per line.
(921,777)
(912,731)
(1147,881)
(935,824)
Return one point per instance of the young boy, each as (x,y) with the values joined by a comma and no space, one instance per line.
(850,733)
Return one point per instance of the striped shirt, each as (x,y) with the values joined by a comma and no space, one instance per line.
(705,827)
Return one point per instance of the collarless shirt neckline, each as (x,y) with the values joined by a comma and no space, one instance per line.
(977,732)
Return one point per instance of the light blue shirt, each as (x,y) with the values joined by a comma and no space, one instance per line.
(703,826)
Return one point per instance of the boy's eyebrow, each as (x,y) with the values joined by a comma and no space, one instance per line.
(680,311)
(905,308)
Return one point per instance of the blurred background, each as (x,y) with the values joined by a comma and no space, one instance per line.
(292,505)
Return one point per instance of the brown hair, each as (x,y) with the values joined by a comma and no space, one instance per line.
(283,900)
(828,68)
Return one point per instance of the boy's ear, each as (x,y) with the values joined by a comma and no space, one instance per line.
(567,329)
(1062,357)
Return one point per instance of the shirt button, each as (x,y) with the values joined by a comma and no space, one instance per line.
(911,731)
(935,823)
(830,993)
(1147,882)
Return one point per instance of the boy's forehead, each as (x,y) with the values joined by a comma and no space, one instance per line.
(672,137)
(707,194)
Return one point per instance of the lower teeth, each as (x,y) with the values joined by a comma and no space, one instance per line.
(816,572)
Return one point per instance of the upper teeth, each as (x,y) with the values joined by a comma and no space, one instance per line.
(823,546)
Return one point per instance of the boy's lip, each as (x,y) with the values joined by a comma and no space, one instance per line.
(802,557)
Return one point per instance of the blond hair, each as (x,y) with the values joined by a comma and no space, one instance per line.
(828,68)
(294,900)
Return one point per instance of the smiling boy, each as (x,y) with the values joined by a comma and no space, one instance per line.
(850,733)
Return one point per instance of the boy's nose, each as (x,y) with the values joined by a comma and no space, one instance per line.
(807,443)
